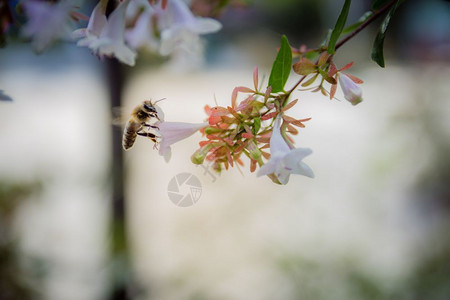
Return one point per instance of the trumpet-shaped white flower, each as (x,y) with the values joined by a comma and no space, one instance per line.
(47,22)
(172,132)
(181,29)
(105,37)
(285,161)
(352,92)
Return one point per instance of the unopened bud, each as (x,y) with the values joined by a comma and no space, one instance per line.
(254,151)
(352,92)
(212,130)
(199,156)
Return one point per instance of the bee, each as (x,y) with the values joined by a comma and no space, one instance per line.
(138,124)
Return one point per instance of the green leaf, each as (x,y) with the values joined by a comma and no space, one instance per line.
(326,76)
(311,55)
(361,20)
(256,125)
(377,53)
(304,67)
(377,4)
(326,39)
(281,66)
(340,23)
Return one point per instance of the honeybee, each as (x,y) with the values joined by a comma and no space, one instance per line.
(137,124)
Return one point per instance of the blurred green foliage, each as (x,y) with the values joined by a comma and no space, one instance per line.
(14,283)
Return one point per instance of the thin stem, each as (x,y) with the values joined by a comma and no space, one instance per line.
(285,137)
(364,25)
(349,37)
(295,86)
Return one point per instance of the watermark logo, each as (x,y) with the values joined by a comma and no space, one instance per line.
(207,169)
(184,189)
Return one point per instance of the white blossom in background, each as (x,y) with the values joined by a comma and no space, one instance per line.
(47,22)
(107,39)
(97,22)
(284,161)
(172,30)
(181,29)
(142,34)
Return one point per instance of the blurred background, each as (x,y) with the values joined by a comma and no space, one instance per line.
(373,224)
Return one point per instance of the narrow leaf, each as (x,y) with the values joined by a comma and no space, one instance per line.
(292,130)
(361,20)
(256,125)
(269,116)
(347,66)
(333,91)
(323,58)
(310,81)
(326,39)
(377,53)
(255,78)
(281,66)
(340,23)
(327,77)
(333,70)
(289,105)
(354,78)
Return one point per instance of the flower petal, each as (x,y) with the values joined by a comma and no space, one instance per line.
(172,132)
(141,35)
(283,174)
(293,161)
(277,142)
(269,167)
(97,20)
(303,169)
(206,25)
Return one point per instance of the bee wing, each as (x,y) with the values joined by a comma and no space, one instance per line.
(119,116)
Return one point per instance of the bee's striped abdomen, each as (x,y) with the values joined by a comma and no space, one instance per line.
(129,134)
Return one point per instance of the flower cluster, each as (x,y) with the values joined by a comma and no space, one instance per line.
(256,124)
(248,128)
(163,27)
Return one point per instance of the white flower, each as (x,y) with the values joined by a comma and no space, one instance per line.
(172,132)
(352,92)
(106,37)
(284,161)
(181,29)
(142,34)
(46,22)
(97,22)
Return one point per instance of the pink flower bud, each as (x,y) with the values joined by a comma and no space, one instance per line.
(352,92)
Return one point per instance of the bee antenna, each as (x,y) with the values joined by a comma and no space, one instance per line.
(159,100)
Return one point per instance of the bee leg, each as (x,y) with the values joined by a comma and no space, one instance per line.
(149,135)
(152,126)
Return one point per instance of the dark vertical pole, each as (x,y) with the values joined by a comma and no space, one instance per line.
(120,267)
